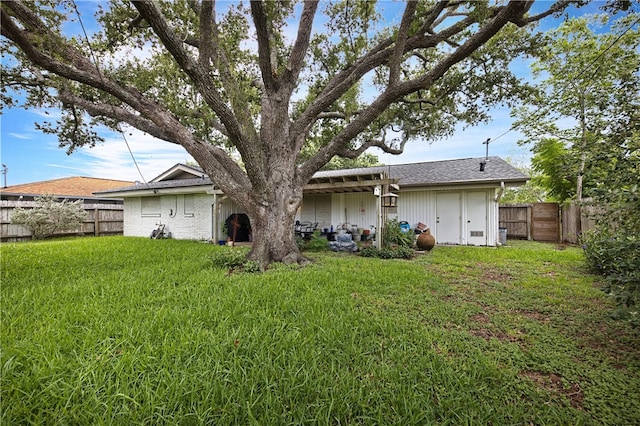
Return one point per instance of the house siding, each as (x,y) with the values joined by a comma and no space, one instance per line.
(420,206)
(191,216)
(185,216)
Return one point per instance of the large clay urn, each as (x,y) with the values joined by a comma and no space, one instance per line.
(426,241)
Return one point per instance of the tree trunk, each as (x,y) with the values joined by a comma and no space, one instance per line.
(272,227)
(583,147)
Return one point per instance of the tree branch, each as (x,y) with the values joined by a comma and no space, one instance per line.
(205,41)
(513,10)
(198,75)
(296,59)
(96,109)
(377,56)
(267,67)
(401,39)
(432,16)
(556,7)
(375,143)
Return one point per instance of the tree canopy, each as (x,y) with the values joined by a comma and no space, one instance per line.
(285,86)
(590,85)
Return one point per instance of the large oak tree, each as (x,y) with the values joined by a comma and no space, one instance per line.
(284,86)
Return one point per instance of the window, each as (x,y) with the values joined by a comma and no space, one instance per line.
(150,206)
(189,209)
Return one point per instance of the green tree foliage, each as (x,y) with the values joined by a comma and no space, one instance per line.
(613,247)
(531,192)
(593,83)
(283,86)
(555,170)
(50,216)
(589,81)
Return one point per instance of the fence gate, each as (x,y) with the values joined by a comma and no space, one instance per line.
(545,221)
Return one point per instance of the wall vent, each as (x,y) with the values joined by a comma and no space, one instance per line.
(477,233)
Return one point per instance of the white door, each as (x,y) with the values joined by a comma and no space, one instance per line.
(316,208)
(477,218)
(448,218)
(323,211)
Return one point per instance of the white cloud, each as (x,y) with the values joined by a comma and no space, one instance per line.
(113,160)
(24,136)
(467,143)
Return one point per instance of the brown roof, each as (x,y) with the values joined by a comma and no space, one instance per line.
(77,186)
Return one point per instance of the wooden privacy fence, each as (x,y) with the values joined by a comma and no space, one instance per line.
(546,221)
(102,219)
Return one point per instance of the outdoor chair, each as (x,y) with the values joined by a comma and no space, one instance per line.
(305,229)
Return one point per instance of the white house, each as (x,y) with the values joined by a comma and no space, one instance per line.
(457,199)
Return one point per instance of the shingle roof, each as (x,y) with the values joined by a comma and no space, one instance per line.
(172,183)
(445,172)
(76,186)
(433,173)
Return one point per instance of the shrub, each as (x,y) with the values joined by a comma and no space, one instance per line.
(399,252)
(393,235)
(617,257)
(315,243)
(234,259)
(50,216)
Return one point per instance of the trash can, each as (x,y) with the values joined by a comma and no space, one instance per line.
(503,236)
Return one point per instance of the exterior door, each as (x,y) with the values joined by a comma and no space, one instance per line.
(477,218)
(323,210)
(448,218)
(317,208)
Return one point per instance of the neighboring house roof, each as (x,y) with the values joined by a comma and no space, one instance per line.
(76,186)
(433,173)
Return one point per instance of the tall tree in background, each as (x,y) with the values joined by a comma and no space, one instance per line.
(591,82)
(285,86)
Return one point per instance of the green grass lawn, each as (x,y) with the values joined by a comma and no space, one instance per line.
(138,331)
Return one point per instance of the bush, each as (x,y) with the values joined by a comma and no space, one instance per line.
(617,257)
(399,252)
(50,216)
(393,235)
(234,259)
(315,243)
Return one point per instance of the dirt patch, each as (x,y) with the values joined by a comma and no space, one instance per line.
(554,384)
(488,274)
(482,318)
(495,275)
(488,331)
(493,334)
(535,315)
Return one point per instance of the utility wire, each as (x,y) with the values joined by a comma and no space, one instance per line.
(606,50)
(95,61)
(586,67)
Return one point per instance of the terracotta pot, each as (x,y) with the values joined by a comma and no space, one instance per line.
(426,241)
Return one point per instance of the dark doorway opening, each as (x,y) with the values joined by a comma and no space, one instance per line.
(238,227)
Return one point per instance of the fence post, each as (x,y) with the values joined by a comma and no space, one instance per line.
(96,222)
(529,222)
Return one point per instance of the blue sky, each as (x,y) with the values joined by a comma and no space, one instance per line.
(33,156)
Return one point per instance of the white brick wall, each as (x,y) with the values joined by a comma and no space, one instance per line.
(194,224)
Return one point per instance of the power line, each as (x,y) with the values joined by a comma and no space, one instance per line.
(95,61)
(606,50)
(586,67)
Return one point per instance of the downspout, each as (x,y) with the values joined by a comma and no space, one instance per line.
(500,193)
(214,219)
(497,198)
